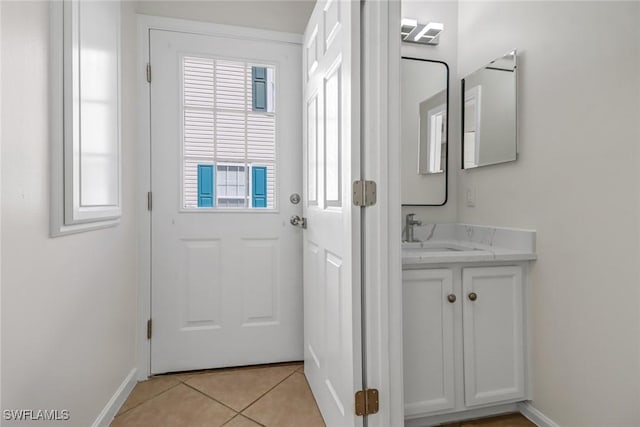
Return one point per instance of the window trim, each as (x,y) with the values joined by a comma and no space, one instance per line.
(247,196)
(67,216)
(435,145)
(473,95)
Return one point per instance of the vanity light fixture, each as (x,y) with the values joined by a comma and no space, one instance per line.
(413,32)
(407,26)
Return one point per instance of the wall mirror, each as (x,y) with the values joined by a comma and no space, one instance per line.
(425,131)
(489,114)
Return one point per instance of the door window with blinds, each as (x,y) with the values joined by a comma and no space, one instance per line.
(229,134)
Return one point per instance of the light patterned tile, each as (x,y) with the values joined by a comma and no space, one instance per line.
(184,376)
(146,390)
(239,388)
(179,406)
(290,404)
(240,421)
(511,420)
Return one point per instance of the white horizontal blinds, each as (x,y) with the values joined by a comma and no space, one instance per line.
(220,126)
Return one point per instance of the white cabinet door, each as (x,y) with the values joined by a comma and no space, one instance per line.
(493,334)
(428,317)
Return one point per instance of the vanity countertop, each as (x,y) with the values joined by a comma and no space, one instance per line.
(464,243)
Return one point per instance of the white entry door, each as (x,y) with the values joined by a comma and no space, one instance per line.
(332,306)
(225,158)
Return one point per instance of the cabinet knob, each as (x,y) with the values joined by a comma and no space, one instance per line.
(451,298)
(473,296)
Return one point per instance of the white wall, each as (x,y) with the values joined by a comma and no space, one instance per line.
(68,303)
(445,12)
(264,14)
(576,182)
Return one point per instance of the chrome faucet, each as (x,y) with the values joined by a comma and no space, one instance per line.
(409,222)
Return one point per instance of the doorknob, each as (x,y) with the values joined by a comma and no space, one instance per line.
(473,296)
(298,221)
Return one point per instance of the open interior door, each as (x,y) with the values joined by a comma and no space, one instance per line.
(332,285)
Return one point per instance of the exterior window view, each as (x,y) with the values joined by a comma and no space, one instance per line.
(229,134)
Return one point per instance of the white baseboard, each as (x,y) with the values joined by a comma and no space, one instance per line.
(535,416)
(113,406)
(469,414)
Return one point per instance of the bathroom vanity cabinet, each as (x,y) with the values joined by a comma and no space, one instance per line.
(464,338)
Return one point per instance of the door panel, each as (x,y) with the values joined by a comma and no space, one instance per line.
(260,282)
(226,285)
(332,240)
(332,124)
(201,265)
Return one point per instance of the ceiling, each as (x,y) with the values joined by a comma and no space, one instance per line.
(278,15)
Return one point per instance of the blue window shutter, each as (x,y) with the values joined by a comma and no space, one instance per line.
(205,186)
(259,84)
(259,186)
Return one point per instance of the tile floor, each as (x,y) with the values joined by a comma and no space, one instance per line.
(267,395)
(270,395)
(511,420)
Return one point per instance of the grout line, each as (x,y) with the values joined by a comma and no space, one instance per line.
(215,400)
(266,392)
(244,416)
(146,400)
(195,372)
(182,380)
(187,377)
(232,370)
(249,418)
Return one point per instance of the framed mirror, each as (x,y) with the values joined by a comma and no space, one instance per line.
(425,131)
(489,119)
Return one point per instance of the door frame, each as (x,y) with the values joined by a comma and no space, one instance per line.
(382,267)
(382,259)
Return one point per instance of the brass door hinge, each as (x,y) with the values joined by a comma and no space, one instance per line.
(149,326)
(149,200)
(148,72)
(366,402)
(364,193)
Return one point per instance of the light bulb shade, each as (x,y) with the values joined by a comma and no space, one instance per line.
(431,30)
(407,26)
(414,32)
